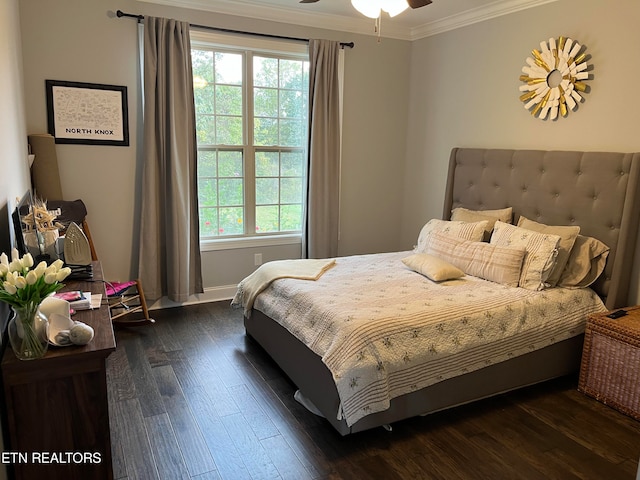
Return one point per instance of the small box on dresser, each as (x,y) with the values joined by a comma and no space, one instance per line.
(610,369)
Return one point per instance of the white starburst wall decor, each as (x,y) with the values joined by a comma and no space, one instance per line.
(554,78)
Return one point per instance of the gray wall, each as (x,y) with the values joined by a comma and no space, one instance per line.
(77,40)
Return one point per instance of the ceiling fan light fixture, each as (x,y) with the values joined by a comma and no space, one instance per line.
(368,8)
(394,7)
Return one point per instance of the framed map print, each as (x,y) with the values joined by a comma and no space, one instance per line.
(87,113)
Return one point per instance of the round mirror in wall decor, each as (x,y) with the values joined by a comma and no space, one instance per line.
(554,78)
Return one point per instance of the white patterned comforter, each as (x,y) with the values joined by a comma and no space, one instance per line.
(384,330)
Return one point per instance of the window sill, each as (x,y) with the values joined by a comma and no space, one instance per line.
(249,242)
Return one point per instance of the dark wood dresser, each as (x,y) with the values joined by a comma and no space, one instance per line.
(57,407)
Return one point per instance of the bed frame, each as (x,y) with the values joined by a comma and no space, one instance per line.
(604,201)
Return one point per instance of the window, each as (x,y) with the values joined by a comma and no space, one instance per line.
(251,102)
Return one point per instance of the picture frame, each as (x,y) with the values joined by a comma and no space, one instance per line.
(87,113)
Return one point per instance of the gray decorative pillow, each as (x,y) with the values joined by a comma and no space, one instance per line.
(491,216)
(586,262)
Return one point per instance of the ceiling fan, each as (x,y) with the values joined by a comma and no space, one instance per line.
(412,3)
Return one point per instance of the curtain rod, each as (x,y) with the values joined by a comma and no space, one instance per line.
(120,13)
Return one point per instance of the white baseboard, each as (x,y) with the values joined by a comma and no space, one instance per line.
(213,294)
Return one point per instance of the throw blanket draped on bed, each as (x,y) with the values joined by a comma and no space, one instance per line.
(301,269)
(384,330)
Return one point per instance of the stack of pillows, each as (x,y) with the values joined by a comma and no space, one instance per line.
(485,244)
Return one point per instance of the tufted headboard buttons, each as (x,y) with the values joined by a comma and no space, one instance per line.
(595,190)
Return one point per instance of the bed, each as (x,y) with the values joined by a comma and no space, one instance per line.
(594,190)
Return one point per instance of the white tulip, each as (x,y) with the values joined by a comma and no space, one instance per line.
(50,278)
(21,282)
(40,269)
(58,264)
(63,273)
(27,260)
(15,266)
(15,255)
(10,288)
(3,269)
(31,277)
(4,260)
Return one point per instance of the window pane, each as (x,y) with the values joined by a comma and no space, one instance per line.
(267,219)
(229,130)
(230,191)
(207,163)
(291,104)
(208,222)
(265,102)
(265,131)
(202,66)
(228,68)
(291,74)
(291,190)
(290,132)
(292,164)
(208,192)
(228,100)
(203,96)
(230,164)
(231,221)
(205,129)
(267,164)
(267,191)
(291,217)
(265,72)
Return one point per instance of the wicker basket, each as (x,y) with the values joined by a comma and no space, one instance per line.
(610,369)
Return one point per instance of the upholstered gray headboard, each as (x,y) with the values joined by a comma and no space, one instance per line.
(596,190)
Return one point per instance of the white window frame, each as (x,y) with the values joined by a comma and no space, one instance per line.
(258,45)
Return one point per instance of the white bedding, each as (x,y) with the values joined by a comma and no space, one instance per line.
(384,330)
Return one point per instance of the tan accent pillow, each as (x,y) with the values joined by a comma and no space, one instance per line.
(586,262)
(480,259)
(491,216)
(468,231)
(432,267)
(568,235)
(542,250)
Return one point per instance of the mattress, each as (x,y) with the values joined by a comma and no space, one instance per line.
(384,330)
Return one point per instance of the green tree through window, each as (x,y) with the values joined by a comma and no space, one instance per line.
(251,128)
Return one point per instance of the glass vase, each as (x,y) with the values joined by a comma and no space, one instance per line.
(28,332)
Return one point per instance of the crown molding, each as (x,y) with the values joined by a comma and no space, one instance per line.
(364,26)
(475,15)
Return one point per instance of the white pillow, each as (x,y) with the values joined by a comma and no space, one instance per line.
(432,267)
(480,259)
(541,252)
(466,230)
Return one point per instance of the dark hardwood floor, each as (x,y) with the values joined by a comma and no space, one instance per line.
(193,397)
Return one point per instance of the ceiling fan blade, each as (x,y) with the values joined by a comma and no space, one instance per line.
(308,1)
(418,3)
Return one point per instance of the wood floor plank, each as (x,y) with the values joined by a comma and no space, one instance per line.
(199,372)
(197,456)
(227,458)
(166,451)
(132,436)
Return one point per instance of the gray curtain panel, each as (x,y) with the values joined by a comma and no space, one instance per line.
(320,237)
(169,262)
